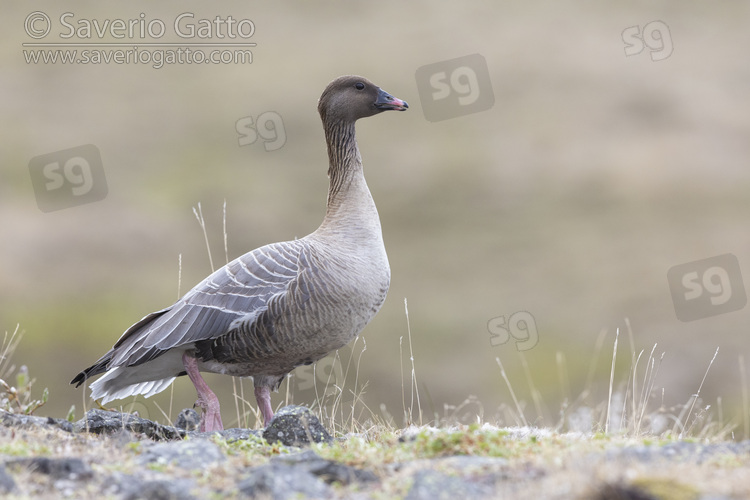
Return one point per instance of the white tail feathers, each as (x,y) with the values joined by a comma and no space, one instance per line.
(146,379)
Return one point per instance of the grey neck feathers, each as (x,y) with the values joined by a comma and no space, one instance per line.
(351,211)
(345,172)
(344,160)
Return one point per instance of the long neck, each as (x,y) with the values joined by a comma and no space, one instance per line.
(344,161)
(349,201)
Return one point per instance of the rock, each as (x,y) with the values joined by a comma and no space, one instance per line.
(157,490)
(110,422)
(121,438)
(236,434)
(15,420)
(327,470)
(620,492)
(484,473)
(468,464)
(7,484)
(282,482)
(230,435)
(188,419)
(192,454)
(66,488)
(296,426)
(431,485)
(456,464)
(678,451)
(56,468)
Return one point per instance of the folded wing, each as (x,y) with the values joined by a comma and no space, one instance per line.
(239,289)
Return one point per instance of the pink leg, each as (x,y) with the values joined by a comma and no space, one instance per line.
(207,400)
(263,397)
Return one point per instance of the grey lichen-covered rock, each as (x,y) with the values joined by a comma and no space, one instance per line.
(679,451)
(230,435)
(468,464)
(192,454)
(461,465)
(431,485)
(234,434)
(296,426)
(157,490)
(282,482)
(188,420)
(56,468)
(327,470)
(110,422)
(121,438)
(620,492)
(7,484)
(26,421)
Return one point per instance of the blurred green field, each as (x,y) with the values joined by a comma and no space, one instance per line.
(591,176)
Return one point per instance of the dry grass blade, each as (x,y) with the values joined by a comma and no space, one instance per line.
(745,400)
(512,393)
(648,382)
(696,396)
(403,387)
(356,396)
(9,346)
(634,382)
(536,396)
(199,215)
(414,386)
(611,382)
(226,239)
(179,276)
(562,375)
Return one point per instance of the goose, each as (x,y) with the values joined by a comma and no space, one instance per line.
(279,306)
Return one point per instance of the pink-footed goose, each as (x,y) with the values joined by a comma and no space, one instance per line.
(280,306)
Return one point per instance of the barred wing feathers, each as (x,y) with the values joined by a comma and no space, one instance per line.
(237,291)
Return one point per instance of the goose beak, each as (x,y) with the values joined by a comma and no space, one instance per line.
(387,101)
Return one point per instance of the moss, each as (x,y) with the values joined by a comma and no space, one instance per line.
(666,488)
(22,448)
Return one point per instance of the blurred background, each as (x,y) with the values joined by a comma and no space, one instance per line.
(604,144)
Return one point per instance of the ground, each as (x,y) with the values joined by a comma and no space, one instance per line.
(48,458)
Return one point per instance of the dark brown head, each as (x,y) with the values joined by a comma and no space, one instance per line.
(349,98)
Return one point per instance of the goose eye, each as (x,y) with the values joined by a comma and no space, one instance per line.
(359,86)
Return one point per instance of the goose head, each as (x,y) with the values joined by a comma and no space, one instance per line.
(349,98)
